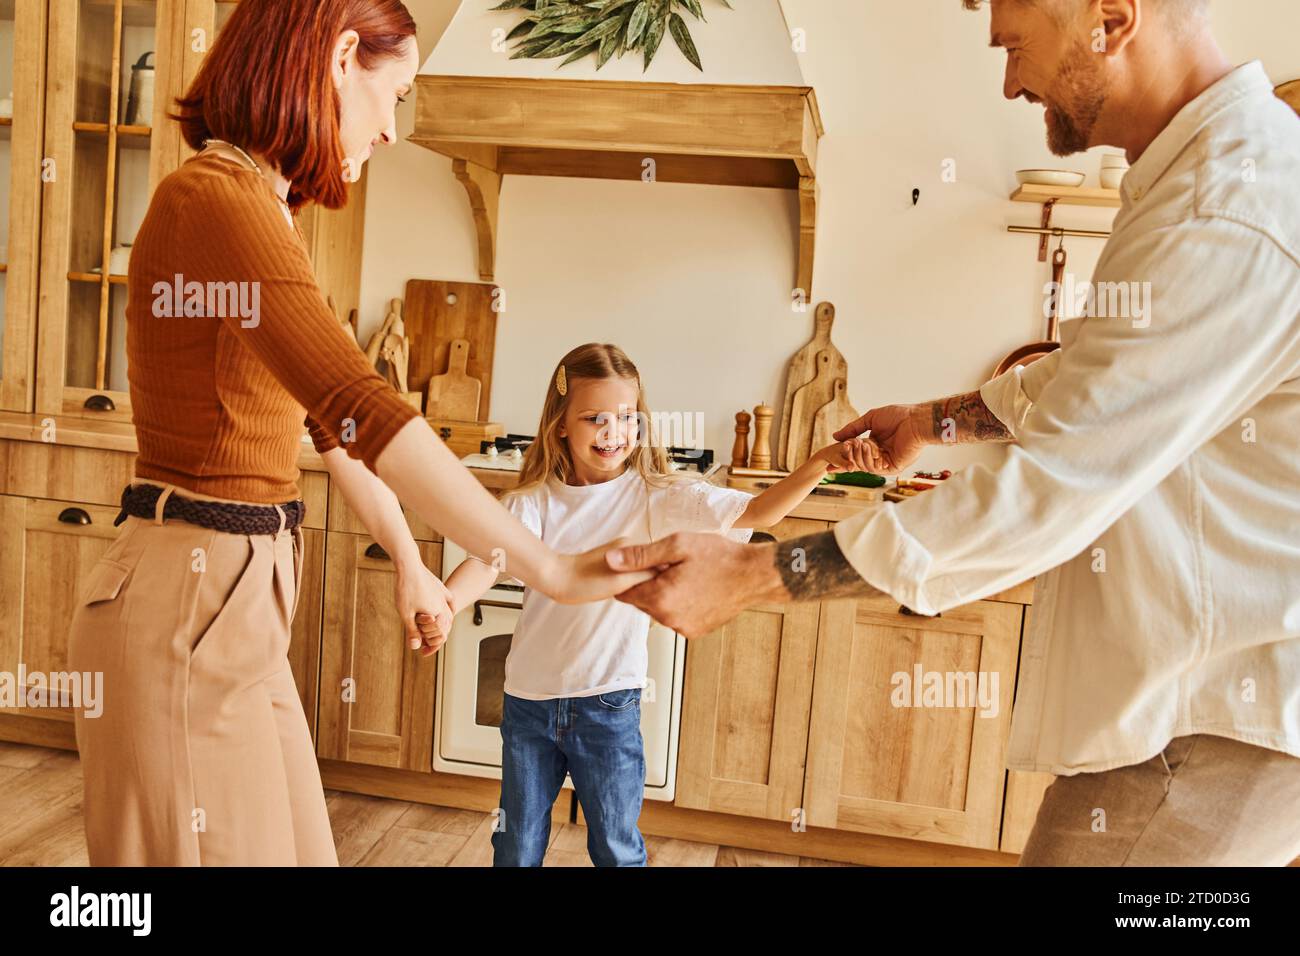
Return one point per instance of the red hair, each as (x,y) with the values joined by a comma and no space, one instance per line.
(266,86)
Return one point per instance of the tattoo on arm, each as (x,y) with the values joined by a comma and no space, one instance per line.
(813,568)
(971,420)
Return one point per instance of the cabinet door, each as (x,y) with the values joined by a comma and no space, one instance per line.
(22,79)
(903,743)
(376,703)
(748,689)
(109,75)
(189,35)
(46,552)
(1025,790)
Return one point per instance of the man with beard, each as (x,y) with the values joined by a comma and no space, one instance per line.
(1150,481)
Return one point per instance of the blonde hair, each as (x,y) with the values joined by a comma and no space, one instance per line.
(548,456)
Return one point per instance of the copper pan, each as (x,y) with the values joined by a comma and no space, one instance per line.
(1028,354)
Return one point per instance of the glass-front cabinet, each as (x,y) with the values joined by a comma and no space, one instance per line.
(114,68)
(22,100)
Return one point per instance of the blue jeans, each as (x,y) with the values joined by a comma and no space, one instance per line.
(597,741)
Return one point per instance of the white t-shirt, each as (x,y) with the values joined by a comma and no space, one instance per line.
(580,650)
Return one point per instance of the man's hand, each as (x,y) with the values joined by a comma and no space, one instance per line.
(854,454)
(704,580)
(899,432)
(425,607)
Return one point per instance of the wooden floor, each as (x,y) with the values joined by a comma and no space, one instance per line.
(41,825)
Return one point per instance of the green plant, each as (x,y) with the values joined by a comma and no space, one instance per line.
(607,28)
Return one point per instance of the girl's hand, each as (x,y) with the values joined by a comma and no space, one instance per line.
(425,607)
(580,578)
(855,454)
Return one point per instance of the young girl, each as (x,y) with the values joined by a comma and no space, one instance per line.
(574,674)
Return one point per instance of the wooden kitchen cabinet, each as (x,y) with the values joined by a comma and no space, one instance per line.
(23,26)
(105,163)
(376,696)
(746,698)
(877,763)
(46,552)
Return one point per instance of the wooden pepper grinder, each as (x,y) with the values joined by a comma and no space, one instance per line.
(762,456)
(740,450)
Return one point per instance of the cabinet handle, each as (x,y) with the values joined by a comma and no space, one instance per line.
(74,516)
(910,613)
(376,553)
(100,403)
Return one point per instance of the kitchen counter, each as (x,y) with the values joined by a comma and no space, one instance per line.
(120,436)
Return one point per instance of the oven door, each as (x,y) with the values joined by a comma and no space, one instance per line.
(470,692)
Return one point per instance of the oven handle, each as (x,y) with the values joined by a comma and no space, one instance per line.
(479,605)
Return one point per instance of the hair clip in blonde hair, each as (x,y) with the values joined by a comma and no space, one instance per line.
(561,382)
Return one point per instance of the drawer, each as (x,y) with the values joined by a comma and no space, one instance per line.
(32,469)
(343,519)
(96,476)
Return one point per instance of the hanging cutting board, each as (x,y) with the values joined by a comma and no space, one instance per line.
(801,370)
(454,394)
(804,407)
(832,416)
(436,314)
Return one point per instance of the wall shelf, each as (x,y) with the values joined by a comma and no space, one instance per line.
(725,135)
(1067,195)
(1049,197)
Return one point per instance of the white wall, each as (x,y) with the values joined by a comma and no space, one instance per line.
(694,281)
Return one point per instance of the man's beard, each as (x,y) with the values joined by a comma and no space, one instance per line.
(1082,82)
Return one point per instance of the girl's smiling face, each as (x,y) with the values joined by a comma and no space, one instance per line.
(600,426)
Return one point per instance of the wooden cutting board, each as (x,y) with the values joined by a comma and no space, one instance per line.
(801,370)
(454,394)
(434,321)
(803,409)
(832,416)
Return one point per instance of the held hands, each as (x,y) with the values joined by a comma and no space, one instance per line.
(853,454)
(425,607)
(579,578)
(898,434)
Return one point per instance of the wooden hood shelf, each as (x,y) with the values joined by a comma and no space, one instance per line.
(723,135)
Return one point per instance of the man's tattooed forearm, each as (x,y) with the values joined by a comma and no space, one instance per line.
(965,418)
(813,568)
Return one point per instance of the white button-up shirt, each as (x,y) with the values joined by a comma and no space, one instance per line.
(1154,485)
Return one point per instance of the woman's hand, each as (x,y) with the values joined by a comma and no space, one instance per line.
(579,578)
(854,454)
(425,607)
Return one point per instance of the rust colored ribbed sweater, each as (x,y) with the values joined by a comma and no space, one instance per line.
(218,392)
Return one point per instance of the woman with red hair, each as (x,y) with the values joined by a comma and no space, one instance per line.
(201,753)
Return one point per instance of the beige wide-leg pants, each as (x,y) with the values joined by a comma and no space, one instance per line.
(202,754)
(1202,801)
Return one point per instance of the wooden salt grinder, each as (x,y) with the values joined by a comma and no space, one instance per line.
(762,455)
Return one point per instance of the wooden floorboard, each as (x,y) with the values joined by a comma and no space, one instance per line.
(41,825)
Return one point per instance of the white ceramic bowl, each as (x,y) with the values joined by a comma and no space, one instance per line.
(1113,161)
(1111,178)
(1048,177)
